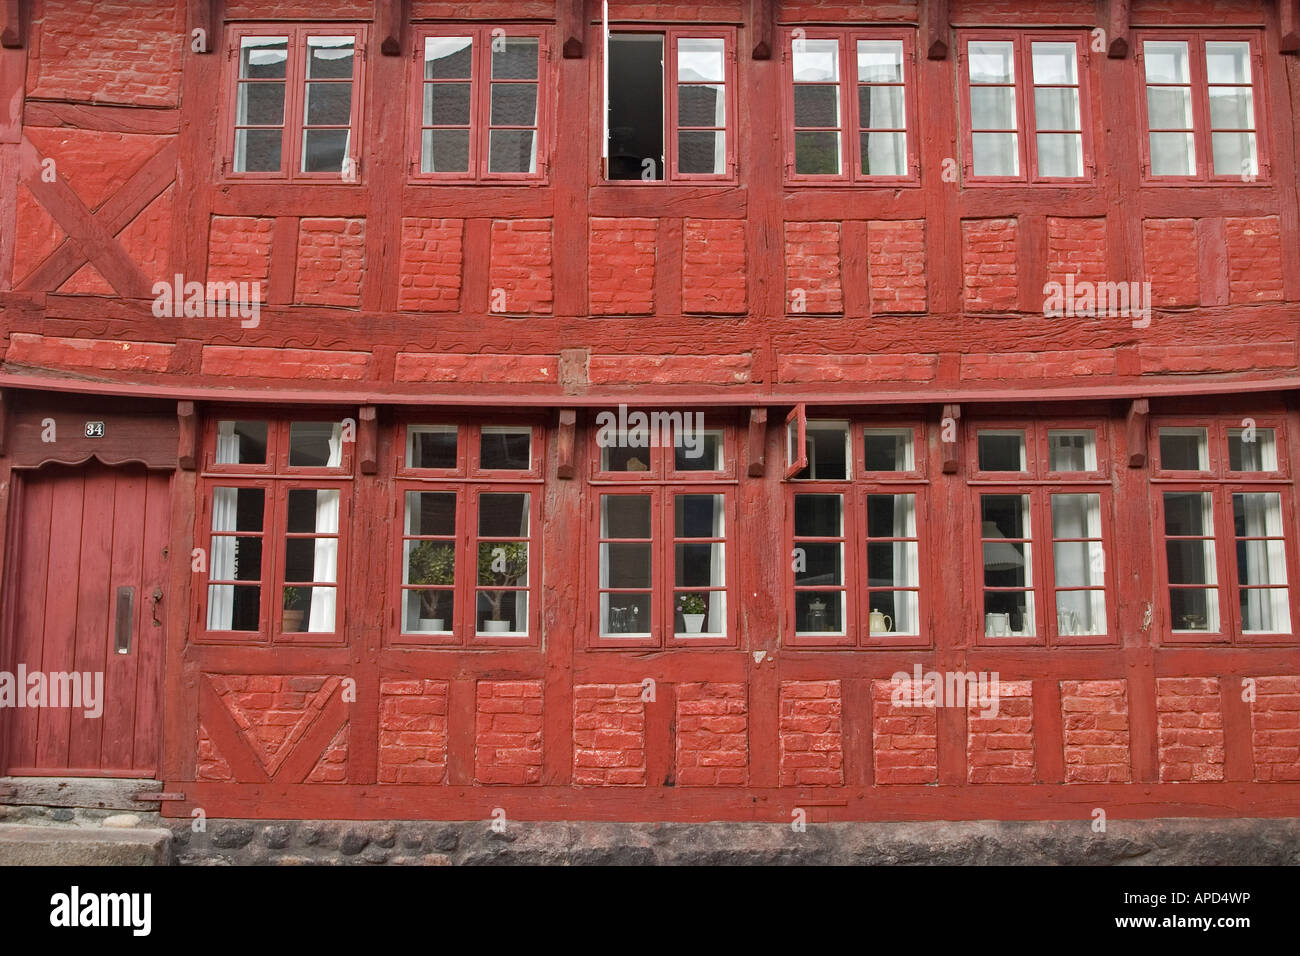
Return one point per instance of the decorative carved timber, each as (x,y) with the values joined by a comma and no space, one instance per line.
(566,468)
(936,29)
(761,15)
(368,440)
(1136,432)
(187,440)
(950,438)
(201,15)
(11,36)
(1289,22)
(1117,29)
(757,441)
(575,28)
(390,18)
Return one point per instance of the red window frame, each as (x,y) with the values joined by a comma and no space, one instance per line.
(291,143)
(671,34)
(1199,83)
(1221,483)
(468,481)
(1040,483)
(480,128)
(854,492)
(850,131)
(276,478)
(1027,126)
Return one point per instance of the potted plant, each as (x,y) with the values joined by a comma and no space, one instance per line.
(431,562)
(692,608)
(501,564)
(294,609)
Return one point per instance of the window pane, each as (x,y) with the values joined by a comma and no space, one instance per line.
(818,516)
(503,563)
(501,612)
(313,511)
(702,105)
(625,564)
(826,446)
(1266,610)
(263,58)
(446,104)
(881,107)
(315,444)
(428,610)
(1173,154)
(1055,63)
(700,60)
(330,58)
(444,151)
(1194,609)
(1234,154)
(891,516)
(1231,108)
(241,443)
(431,446)
(636,106)
(819,612)
(816,106)
(884,154)
(822,564)
(503,515)
(448,58)
(507,449)
(513,104)
(1002,450)
(817,154)
(257,150)
(1056,108)
(233,607)
(624,614)
(699,516)
(1081,612)
(888,449)
(1184,449)
(995,154)
(236,558)
(323,150)
(1166,61)
(1187,514)
(880,61)
(1253,450)
(816,61)
(696,450)
(1060,154)
(237,509)
(430,512)
(899,610)
(699,565)
(1009,614)
(514,58)
(991,61)
(1072,450)
(329,104)
(993,107)
(1227,61)
(701,152)
(260,104)
(1076,516)
(512,151)
(1169,107)
(625,516)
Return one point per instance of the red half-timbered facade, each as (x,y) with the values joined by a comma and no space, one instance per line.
(963,332)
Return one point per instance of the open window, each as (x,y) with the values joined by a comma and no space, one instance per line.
(669,105)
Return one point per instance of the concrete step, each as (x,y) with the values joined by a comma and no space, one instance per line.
(22,845)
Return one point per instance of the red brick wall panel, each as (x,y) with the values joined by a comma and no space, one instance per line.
(211,766)
(331,261)
(1000,747)
(1189,727)
(712,735)
(1170,249)
(811,739)
(713,266)
(275,711)
(609,735)
(239,250)
(431,265)
(621,266)
(989,278)
(1096,734)
(812,268)
(332,767)
(1275,728)
(508,732)
(1076,247)
(896,267)
(1254,259)
(904,739)
(521,266)
(413,731)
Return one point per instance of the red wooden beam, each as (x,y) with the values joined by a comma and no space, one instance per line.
(201,15)
(1117,23)
(187,443)
(1288,12)
(390,21)
(12,36)
(950,438)
(575,28)
(368,440)
(566,468)
(1136,432)
(761,15)
(757,441)
(936,29)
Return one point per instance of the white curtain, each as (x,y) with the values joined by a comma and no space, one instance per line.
(325,568)
(1079,565)
(521,597)
(221,597)
(906,573)
(1265,609)
(717,620)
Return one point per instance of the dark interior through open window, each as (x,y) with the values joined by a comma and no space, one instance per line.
(636,106)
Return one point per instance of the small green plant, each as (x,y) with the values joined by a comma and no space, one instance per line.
(501,564)
(691,604)
(294,598)
(431,562)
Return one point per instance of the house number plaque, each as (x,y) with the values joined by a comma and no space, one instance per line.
(94,429)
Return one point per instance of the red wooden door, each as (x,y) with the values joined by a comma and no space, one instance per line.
(84,597)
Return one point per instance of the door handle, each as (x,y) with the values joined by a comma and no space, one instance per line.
(156,597)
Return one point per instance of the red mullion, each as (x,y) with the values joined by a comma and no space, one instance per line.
(480,115)
(925,638)
(471,638)
(849,576)
(731,618)
(1289,546)
(1201,108)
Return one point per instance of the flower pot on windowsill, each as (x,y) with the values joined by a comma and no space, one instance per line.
(292,620)
(694,623)
(429,624)
(496,627)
